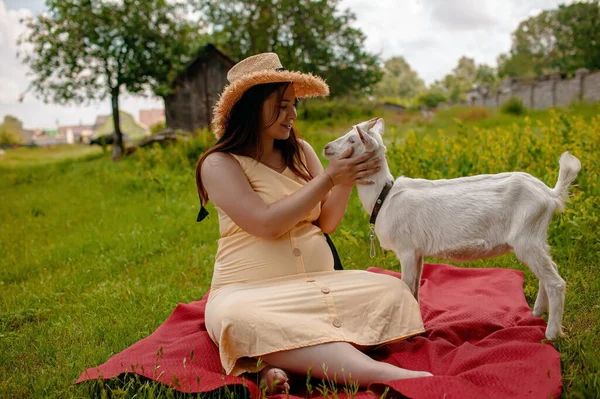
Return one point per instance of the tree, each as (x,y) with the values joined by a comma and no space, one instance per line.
(11,131)
(517,65)
(465,76)
(486,76)
(86,50)
(308,35)
(560,40)
(533,51)
(462,79)
(399,80)
(577,34)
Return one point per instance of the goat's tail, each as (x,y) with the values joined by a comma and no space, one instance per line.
(569,167)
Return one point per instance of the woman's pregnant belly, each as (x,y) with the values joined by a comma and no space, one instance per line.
(243,258)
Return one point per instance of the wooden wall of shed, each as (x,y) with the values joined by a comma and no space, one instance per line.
(190,107)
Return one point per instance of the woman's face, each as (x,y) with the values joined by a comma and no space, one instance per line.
(285,106)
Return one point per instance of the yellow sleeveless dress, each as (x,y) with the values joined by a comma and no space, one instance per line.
(270,295)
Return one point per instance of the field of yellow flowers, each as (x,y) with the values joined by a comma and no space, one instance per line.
(533,147)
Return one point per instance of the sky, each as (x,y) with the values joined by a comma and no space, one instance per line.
(431,34)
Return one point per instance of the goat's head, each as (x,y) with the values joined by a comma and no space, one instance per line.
(364,137)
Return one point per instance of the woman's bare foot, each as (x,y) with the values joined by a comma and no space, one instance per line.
(275,380)
(419,374)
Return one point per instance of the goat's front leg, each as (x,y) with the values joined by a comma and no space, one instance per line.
(412,268)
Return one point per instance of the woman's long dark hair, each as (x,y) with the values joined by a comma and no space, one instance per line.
(242,134)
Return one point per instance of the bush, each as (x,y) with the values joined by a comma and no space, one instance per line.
(341,108)
(9,137)
(179,155)
(472,114)
(432,99)
(514,106)
(157,128)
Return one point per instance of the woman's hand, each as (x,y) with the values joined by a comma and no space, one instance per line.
(349,170)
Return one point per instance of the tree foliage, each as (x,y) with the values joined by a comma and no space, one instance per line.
(309,36)
(577,35)
(399,80)
(432,98)
(464,77)
(11,131)
(559,40)
(533,50)
(86,50)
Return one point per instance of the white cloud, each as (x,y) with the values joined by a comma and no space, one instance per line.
(12,77)
(8,91)
(433,34)
(460,15)
(35,6)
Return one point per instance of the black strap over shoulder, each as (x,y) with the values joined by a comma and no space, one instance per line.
(202,214)
(337,263)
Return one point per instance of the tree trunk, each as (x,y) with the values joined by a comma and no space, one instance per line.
(117,148)
(304,109)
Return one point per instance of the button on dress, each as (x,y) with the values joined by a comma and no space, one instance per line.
(271,295)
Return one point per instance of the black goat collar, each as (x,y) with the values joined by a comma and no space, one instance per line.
(386,189)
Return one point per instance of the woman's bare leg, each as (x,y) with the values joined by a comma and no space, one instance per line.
(342,359)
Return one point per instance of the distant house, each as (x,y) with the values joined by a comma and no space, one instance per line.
(197,89)
(27,135)
(150,117)
(47,137)
(76,133)
(129,126)
(50,132)
(100,120)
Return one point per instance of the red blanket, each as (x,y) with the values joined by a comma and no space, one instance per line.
(482,341)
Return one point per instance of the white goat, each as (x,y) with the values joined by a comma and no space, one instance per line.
(467,218)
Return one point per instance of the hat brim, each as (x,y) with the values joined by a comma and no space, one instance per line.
(305,85)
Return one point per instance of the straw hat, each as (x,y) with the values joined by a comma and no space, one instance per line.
(259,69)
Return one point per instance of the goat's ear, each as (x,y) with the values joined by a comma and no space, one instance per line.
(364,137)
(378,126)
(368,141)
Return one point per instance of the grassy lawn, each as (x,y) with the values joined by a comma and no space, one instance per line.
(44,155)
(95,255)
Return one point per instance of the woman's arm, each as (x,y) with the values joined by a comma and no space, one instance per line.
(334,205)
(228,187)
(334,208)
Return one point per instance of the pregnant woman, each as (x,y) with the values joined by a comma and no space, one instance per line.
(276,304)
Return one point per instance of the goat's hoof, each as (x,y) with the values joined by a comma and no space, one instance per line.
(553,334)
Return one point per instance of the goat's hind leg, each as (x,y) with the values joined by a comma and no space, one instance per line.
(541,302)
(412,268)
(539,261)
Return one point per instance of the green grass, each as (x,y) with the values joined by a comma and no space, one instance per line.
(95,255)
(25,156)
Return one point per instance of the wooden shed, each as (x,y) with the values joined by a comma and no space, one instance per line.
(197,90)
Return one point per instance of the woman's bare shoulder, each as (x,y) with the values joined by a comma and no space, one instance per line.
(217,162)
(305,145)
(312,159)
(219,157)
